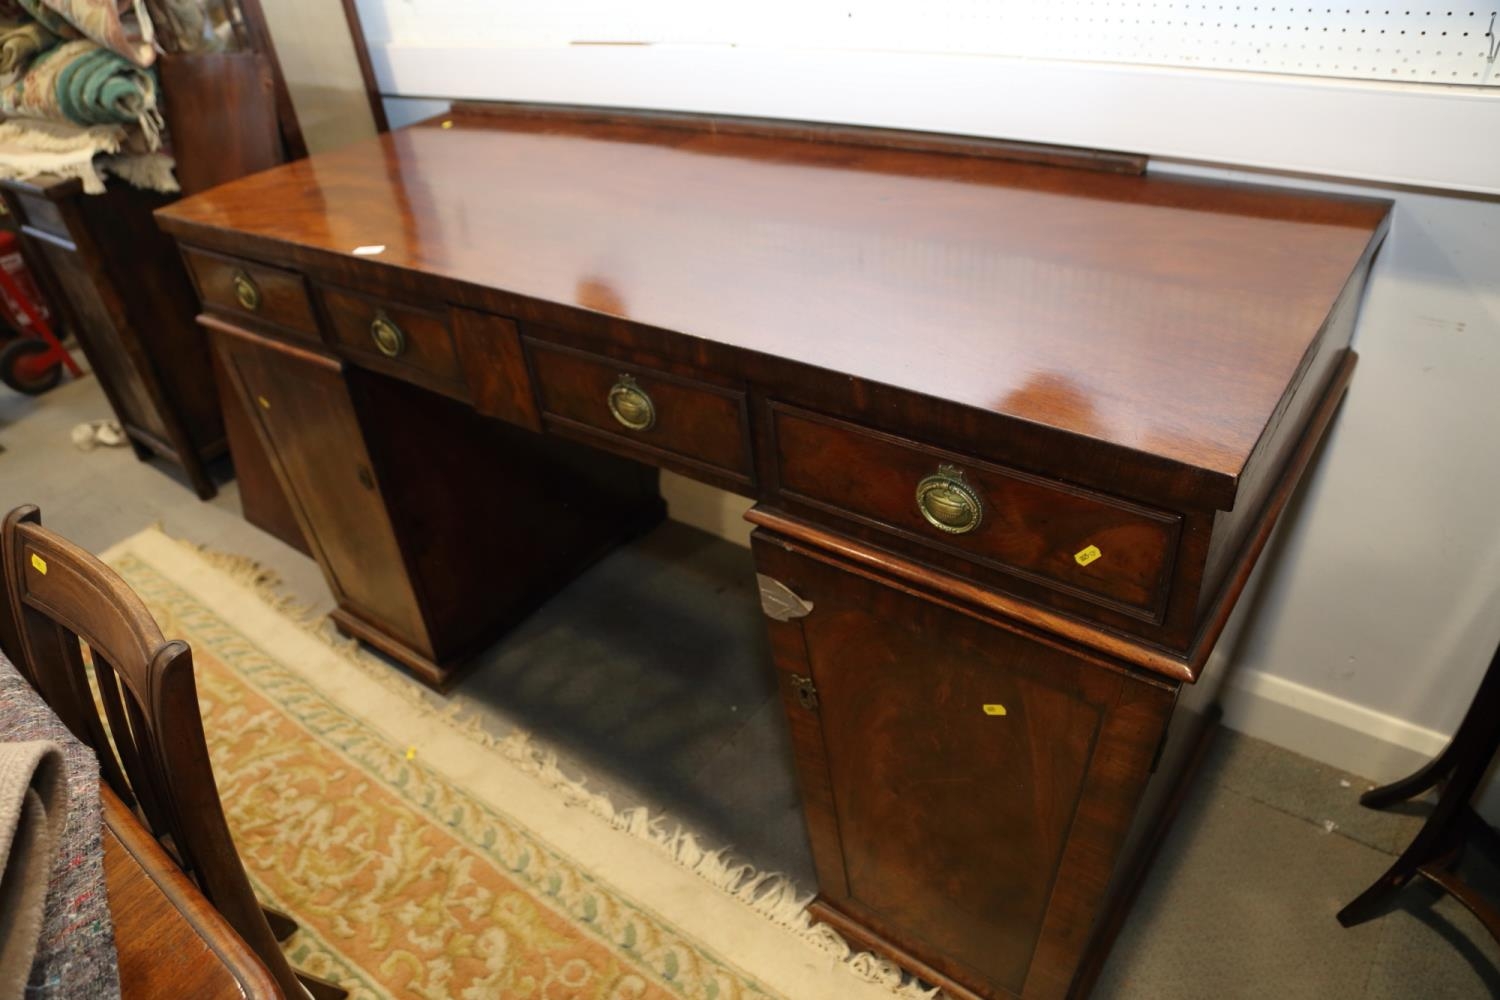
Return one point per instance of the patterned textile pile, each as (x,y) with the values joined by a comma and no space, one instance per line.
(78,91)
(79,83)
(75,955)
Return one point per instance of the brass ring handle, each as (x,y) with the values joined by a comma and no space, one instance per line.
(246,291)
(630,405)
(389,340)
(948,502)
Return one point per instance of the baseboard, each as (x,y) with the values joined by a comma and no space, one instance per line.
(1339,733)
(1336,732)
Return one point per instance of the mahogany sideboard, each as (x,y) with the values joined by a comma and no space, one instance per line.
(1017,420)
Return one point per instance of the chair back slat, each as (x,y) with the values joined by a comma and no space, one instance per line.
(143,723)
(131,735)
(88,728)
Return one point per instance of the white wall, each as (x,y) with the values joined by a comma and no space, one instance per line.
(1382,602)
(1446,42)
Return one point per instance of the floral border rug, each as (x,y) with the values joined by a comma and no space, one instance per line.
(424,859)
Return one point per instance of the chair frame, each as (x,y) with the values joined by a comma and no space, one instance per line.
(149,738)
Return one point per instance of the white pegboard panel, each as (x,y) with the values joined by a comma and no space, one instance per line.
(1406,42)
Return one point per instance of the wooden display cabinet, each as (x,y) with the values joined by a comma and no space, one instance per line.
(121,289)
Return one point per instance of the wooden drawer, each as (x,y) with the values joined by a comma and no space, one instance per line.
(664,417)
(253,291)
(1105,550)
(406,341)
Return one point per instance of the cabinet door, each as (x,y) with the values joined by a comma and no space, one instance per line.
(262,500)
(118,366)
(967,787)
(306,420)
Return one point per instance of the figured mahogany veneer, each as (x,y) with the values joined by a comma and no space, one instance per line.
(695,427)
(169,939)
(1068,738)
(280,301)
(1126,374)
(1158,341)
(1158,316)
(1030,527)
(422,351)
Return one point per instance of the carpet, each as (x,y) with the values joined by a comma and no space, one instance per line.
(424,858)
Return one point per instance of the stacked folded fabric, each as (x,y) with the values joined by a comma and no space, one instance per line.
(19,41)
(33,811)
(78,92)
(80,83)
(66,947)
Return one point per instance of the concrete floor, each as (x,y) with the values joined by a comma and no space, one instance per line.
(648,676)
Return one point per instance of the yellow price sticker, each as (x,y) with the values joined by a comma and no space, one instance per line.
(39,564)
(994,710)
(1085,556)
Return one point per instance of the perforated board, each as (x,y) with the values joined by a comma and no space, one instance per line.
(1453,44)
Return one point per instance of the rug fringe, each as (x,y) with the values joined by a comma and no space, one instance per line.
(772,895)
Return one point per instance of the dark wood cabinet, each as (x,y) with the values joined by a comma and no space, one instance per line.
(1010,481)
(306,418)
(120,287)
(386,482)
(968,786)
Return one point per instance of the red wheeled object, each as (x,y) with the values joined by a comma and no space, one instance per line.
(33,360)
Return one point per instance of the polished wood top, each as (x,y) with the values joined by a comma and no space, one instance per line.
(170,940)
(1167,316)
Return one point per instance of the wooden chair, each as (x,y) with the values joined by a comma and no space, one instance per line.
(149,736)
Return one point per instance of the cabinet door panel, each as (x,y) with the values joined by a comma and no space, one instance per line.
(263,501)
(981,780)
(307,422)
(926,783)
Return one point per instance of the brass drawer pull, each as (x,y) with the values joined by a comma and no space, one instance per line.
(948,502)
(630,405)
(246,291)
(389,340)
